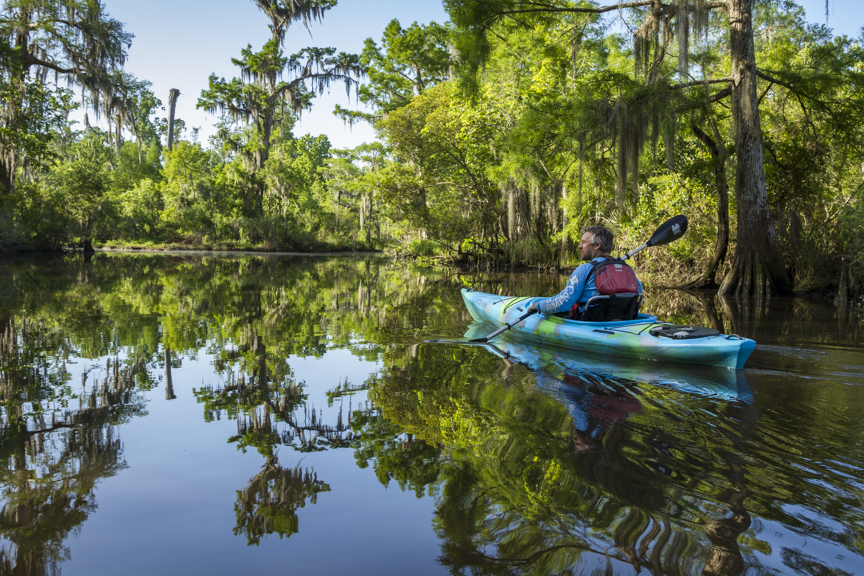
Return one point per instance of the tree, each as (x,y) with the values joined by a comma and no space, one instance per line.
(758,267)
(172,106)
(353,178)
(719,154)
(188,189)
(283,13)
(408,62)
(261,96)
(75,39)
(83,180)
(291,174)
(439,187)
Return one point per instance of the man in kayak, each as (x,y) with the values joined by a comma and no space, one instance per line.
(595,246)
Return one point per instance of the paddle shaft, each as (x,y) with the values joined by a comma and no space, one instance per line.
(505,327)
(634,252)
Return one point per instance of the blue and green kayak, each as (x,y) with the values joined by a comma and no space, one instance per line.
(644,338)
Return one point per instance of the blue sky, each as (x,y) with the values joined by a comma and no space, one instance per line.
(179,43)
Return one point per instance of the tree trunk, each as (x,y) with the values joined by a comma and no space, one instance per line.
(8,347)
(8,163)
(368,212)
(565,239)
(843,291)
(12,116)
(758,267)
(172,105)
(169,383)
(118,136)
(719,154)
(724,557)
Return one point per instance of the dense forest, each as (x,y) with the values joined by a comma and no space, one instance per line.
(501,133)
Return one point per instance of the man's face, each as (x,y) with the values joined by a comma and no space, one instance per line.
(586,249)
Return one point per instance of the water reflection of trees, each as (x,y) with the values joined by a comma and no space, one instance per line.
(670,488)
(772,320)
(270,408)
(662,490)
(252,314)
(52,453)
(269,502)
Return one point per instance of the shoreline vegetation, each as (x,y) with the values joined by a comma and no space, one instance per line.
(818,293)
(500,135)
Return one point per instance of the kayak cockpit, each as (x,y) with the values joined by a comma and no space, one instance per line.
(646,319)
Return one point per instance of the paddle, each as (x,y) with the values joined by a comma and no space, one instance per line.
(504,328)
(668,232)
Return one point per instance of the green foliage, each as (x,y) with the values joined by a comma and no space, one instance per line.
(439,183)
(82,180)
(422,248)
(188,189)
(48,36)
(260,96)
(409,61)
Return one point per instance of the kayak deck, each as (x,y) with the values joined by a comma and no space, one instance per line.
(629,338)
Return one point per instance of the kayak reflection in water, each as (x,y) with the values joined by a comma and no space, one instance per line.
(644,444)
(598,392)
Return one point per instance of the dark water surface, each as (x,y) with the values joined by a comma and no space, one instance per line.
(224,415)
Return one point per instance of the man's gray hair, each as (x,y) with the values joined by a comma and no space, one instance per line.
(602,236)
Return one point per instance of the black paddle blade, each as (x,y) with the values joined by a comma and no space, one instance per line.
(669,231)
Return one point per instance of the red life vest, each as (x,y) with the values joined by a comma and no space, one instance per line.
(611,276)
(614,276)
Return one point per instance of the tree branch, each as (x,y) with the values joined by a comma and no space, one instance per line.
(727,80)
(765,93)
(717,96)
(538,7)
(773,80)
(31,60)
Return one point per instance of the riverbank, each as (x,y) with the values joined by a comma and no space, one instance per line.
(317,247)
(170,247)
(825,292)
(225,252)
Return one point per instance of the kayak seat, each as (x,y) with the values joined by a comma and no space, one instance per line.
(611,308)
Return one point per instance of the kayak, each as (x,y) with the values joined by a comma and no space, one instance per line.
(644,338)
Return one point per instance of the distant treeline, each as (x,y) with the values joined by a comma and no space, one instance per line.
(502,133)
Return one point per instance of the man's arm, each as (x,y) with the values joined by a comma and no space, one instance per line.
(565,299)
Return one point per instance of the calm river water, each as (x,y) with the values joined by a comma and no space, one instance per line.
(168,414)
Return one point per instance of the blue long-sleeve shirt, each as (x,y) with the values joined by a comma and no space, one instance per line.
(579,289)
